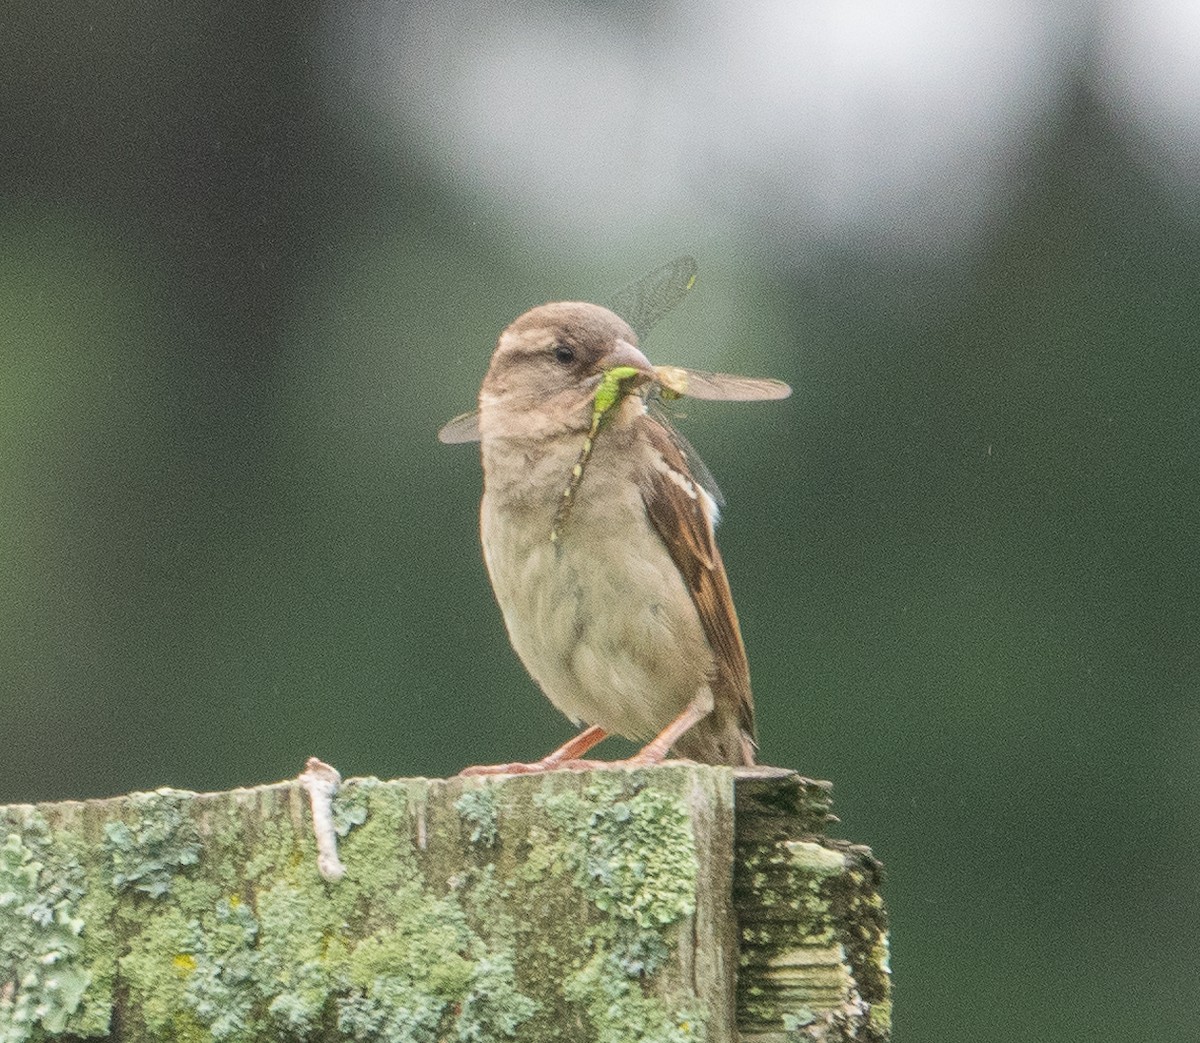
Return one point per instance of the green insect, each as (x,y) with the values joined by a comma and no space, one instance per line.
(642,304)
(608,394)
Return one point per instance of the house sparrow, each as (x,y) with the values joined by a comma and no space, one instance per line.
(599,540)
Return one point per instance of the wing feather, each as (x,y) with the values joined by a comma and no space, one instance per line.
(463,428)
(677,508)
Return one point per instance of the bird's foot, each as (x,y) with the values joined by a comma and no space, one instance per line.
(515,768)
(518,768)
(638,760)
(628,764)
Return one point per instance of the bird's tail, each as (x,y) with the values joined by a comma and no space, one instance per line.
(714,740)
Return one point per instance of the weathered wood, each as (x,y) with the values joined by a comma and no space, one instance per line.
(664,905)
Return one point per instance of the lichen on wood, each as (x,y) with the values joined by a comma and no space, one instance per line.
(601,906)
(813,944)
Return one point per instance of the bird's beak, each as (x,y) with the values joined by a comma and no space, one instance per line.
(623,353)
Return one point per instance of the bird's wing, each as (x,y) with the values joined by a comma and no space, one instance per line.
(681,514)
(463,428)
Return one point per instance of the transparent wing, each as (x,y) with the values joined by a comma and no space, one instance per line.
(643,303)
(661,411)
(700,472)
(677,382)
(463,428)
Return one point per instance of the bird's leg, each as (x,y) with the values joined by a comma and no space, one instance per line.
(656,749)
(574,748)
(568,751)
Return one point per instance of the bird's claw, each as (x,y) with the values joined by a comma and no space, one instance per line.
(638,760)
(536,767)
(515,768)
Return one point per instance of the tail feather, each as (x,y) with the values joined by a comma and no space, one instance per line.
(715,741)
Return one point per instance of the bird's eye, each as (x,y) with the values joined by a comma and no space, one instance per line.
(563,354)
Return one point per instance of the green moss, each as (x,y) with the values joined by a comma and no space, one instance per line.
(634,857)
(880,1018)
(156,969)
(814,938)
(226,978)
(423,973)
(620,1010)
(413,944)
(405,979)
(161,840)
(39,947)
(199,977)
(493,1009)
(478,809)
(543,858)
(801,1017)
(378,953)
(56,972)
(350,805)
(298,942)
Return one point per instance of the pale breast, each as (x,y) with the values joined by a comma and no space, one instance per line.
(600,618)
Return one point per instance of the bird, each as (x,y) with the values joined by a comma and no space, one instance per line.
(598,538)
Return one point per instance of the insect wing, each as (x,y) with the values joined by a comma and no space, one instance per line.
(699,469)
(643,303)
(700,472)
(678,382)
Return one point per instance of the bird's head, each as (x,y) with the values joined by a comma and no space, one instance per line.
(548,365)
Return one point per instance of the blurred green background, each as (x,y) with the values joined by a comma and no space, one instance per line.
(252,258)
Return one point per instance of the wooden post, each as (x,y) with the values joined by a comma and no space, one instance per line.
(667,905)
